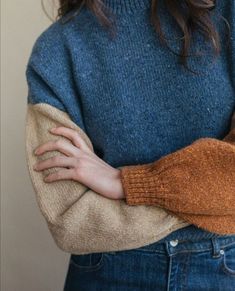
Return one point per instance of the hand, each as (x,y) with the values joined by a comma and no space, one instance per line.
(80,164)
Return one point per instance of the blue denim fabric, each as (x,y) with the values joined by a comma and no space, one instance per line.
(195,262)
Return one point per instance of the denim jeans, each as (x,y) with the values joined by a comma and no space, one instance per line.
(188,259)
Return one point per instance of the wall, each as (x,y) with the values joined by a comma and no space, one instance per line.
(30,260)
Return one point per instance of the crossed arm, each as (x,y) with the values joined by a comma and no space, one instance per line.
(196,183)
(79,219)
(193,185)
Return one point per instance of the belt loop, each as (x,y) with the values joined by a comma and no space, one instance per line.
(215,247)
(167,248)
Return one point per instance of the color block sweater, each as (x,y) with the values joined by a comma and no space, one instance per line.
(134,104)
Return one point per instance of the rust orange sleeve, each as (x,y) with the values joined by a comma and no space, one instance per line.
(196,183)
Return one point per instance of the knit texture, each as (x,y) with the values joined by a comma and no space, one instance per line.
(129,94)
(136,104)
(196,183)
(80,220)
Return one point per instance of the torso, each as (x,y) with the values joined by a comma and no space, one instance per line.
(138,103)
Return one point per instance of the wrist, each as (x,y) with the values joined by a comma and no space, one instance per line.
(119,190)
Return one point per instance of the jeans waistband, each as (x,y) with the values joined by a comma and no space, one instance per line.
(193,233)
(172,247)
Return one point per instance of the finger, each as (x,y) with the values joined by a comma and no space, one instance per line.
(56,161)
(64,147)
(72,135)
(60,175)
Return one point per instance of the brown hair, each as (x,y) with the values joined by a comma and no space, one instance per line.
(190,15)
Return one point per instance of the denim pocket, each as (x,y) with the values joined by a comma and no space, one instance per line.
(228,262)
(87,262)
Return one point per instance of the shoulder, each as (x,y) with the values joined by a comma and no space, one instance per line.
(53,42)
(48,43)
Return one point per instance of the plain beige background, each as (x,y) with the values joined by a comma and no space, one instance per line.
(30,260)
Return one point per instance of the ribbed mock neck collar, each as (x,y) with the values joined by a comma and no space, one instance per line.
(129,6)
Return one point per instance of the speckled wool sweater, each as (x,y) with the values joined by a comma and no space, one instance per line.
(130,95)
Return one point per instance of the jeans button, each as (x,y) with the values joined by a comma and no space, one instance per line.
(222,252)
(174,243)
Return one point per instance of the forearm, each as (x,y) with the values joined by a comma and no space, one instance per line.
(195,181)
(80,220)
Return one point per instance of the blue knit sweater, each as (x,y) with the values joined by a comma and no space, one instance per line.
(130,94)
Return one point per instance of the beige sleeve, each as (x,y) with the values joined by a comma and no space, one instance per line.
(80,220)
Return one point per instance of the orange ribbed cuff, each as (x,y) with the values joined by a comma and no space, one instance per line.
(194,183)
(140,183)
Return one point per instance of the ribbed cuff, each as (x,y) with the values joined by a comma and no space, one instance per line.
(140,183)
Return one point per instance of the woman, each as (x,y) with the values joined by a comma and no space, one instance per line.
(155,99)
